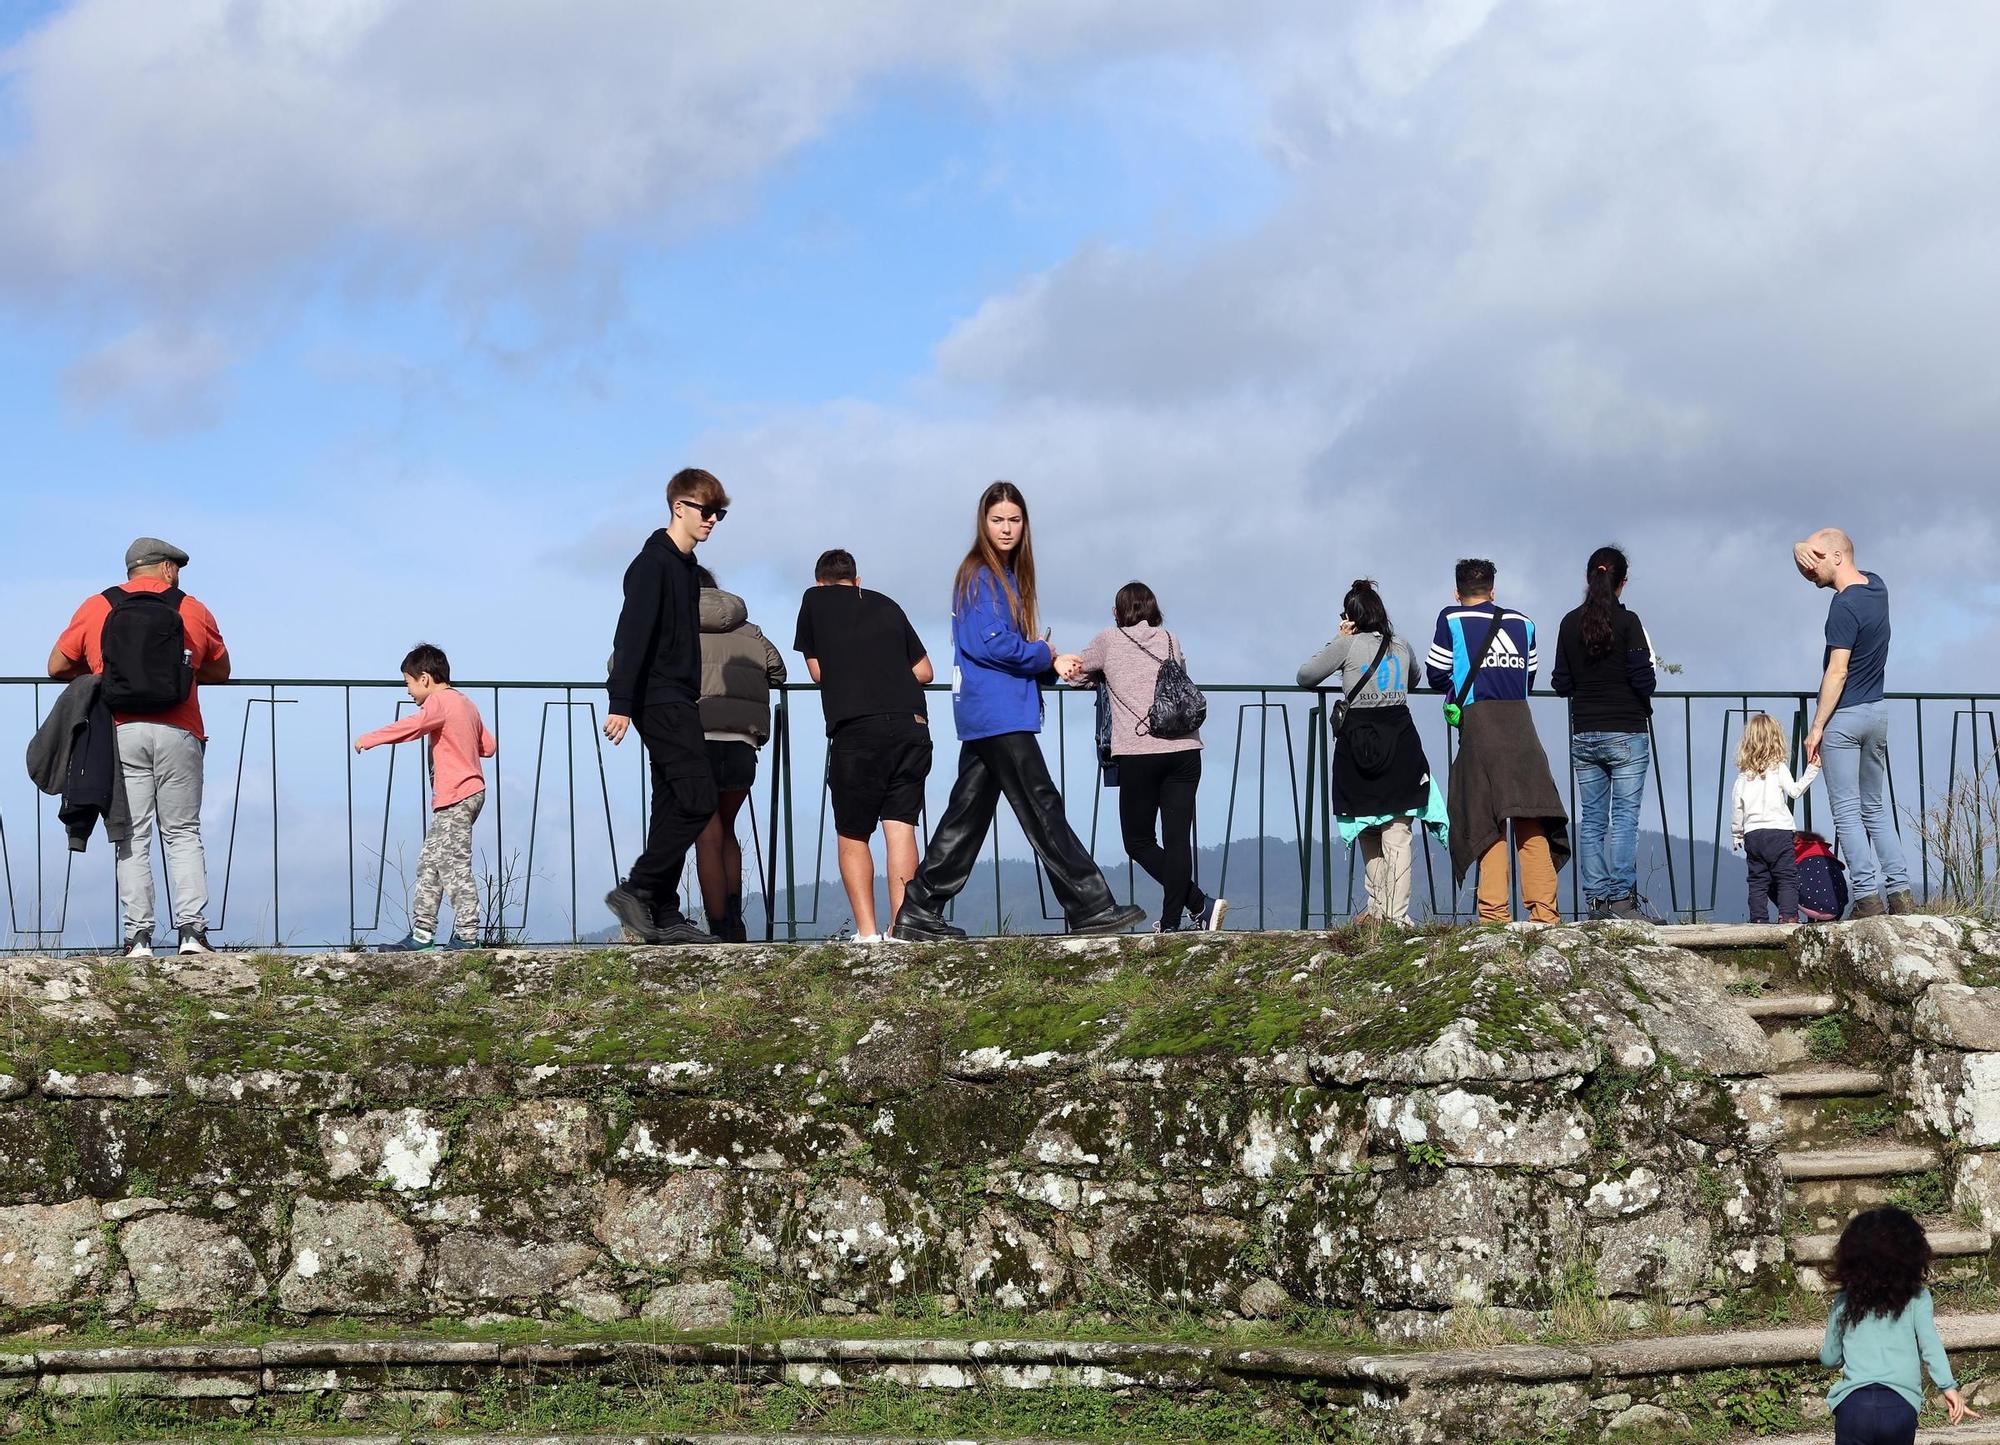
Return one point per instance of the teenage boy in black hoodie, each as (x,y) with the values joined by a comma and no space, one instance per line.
(655,682)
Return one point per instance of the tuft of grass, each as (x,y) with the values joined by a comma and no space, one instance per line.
(1826,1038)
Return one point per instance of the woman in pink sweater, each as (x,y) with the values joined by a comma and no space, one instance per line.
(1157,777)
(459,739)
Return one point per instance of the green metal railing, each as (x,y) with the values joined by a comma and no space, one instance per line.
(287,824)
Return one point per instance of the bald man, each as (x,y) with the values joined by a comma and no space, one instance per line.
(1850,731)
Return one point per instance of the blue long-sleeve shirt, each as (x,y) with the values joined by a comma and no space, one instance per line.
(997,676)
(1877,1350)
(1509,670)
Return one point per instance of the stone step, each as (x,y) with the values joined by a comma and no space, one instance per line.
(1858,1161)
(1824,1081)
(1828,1121)
(1775,1006)
(1720,936)
(1948,1240)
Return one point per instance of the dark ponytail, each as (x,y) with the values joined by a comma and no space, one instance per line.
(1363,607)
(1603,575)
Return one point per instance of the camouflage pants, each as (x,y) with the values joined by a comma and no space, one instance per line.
(445,866)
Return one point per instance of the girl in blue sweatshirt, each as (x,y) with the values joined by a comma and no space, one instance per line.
(1881,1334)
(1001,662)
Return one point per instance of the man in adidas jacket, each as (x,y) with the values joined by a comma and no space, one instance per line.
(1501,775)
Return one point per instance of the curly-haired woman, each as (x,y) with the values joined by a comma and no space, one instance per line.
(1881,1333)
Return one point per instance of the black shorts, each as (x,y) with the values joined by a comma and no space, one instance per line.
(733,764)
(875,768)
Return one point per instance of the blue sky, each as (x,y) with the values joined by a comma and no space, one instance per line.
(512,418)
(424,303)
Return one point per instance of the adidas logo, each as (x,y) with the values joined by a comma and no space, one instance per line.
(1505,653)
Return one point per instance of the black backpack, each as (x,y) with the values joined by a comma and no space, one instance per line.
(146,663)
(1179,708)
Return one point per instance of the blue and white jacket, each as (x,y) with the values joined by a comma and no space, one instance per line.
(997,673)
(1509,672)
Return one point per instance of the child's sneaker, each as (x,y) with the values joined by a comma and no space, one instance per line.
(411,944)
(867,938)
(1209,920)
(461,945)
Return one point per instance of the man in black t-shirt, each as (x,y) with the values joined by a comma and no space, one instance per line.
(871,668)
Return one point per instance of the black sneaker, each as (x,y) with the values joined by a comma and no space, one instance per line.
(635,911)
(680,930)
(195,940)
(1629,909)
(1115,919)
(140,945)
(1599,911)
(917,924)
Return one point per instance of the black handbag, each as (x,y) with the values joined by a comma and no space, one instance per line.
(1179,707)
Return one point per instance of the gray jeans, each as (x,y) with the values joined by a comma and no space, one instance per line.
(162,781)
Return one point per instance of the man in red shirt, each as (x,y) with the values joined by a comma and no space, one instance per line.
(160,750)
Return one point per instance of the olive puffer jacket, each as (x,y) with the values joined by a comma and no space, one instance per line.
(739,667)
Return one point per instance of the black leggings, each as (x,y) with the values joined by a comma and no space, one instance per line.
(1161,786)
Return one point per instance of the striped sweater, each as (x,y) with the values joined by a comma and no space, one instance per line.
(1509,670)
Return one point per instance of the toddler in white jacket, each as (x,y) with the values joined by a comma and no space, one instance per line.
(1760,818)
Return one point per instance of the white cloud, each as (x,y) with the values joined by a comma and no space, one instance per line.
(166,378)
(1692,276)
(181,154)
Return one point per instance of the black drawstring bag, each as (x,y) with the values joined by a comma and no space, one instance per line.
(1179,708)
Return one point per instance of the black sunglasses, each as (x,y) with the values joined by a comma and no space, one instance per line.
(709,511)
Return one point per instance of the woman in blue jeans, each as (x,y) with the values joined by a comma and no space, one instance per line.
(1604,666)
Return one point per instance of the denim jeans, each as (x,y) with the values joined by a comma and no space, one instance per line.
(1874,1415)
(1854,754)
(163,784)
(1610,773)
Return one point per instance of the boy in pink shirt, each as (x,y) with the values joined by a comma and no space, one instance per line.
(459,739)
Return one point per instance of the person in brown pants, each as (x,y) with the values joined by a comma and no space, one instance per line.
(1483,658)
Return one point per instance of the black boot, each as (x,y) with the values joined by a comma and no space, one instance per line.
(1115,919)
(918,923)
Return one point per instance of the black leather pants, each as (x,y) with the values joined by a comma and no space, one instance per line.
(1009,765)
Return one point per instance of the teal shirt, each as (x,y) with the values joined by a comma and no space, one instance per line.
(1893,1352)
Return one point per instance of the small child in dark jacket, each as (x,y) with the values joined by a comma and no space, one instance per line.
(1822,879)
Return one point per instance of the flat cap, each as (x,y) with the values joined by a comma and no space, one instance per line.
(148,550)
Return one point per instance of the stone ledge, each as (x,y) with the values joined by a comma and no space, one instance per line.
(1417,1369)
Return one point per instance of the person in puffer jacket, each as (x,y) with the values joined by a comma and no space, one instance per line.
(1000,662)
(739,667)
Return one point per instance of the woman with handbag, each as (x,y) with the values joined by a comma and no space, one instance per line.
(1380,778)
(1001,659)
(1158,762)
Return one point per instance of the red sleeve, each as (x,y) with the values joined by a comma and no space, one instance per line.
(204,637)
(421,723)
(74,643)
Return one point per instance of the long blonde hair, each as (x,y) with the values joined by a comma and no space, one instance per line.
(1763,745)
(1015,577)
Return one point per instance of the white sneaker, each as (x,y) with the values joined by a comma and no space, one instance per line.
(867,938)
(140,946)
